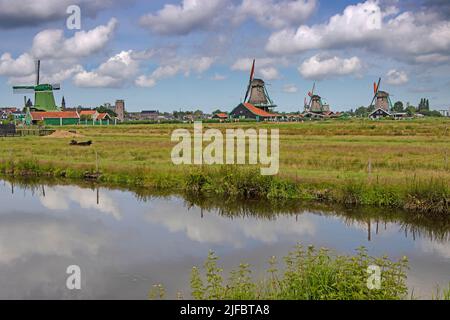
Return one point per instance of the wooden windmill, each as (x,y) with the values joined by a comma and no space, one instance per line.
(315,104)
(257,94)
(44,100)
(381,98)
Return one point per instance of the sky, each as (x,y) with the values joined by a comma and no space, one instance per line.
(196,54)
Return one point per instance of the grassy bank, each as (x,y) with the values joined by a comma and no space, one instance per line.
(398,164)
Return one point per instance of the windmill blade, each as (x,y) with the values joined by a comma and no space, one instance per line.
(23,89)
(373,100)
(38,71)
(313,89)
(56,86)
(378,86)
(248,91)
(252,75)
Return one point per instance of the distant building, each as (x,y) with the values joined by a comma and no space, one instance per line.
(148,115)
(120,110)
(88,117)
(380,113)
(249,111)
(220,116)
(445,113)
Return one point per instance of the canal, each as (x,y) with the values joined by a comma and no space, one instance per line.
(126,241)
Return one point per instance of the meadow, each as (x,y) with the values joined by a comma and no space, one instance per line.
(398,164)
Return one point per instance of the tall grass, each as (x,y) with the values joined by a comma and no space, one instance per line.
(308,274)
(324,161)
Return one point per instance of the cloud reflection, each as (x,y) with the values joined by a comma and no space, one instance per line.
(60,198)
(215,229)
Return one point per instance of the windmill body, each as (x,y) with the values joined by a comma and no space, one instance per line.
(316,104)
(259,97)
(44,99)
(383,101)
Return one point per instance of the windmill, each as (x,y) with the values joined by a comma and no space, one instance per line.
(257,94)
(381,98)
(44,99)
(315,102)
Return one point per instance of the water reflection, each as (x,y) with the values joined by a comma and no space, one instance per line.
(126,241)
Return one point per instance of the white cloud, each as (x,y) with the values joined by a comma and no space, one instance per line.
(145,81)
(276,14)
(264,67)
(61,56)
(51,44)
(318,67)
(218,77)
(182,19)
(357,23)
(173,67)
(269,73)
(245,64)
(22,66)
(31,12)
(408,36)
(290,88)
(397,77)
(112,73)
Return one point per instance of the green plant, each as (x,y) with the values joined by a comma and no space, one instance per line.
(309,274)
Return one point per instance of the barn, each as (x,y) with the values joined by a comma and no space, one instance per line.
(248,111)
(55,118)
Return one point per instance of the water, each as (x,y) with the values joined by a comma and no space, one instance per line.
(125,243)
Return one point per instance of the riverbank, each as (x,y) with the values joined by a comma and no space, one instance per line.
(388,164)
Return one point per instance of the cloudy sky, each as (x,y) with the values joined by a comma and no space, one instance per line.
(184,54)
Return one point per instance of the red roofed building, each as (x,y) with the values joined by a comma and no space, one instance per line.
(249,111)
(55,118)
(220,116)
(95,118)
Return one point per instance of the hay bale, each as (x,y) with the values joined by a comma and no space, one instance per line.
(58,134)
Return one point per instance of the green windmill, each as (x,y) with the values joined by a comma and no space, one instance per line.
(44,100)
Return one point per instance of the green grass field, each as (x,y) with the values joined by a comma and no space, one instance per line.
(327,161)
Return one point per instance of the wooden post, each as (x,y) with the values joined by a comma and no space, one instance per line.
(96,161)
(446,160)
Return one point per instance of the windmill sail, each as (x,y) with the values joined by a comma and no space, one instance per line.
(23,89)
(252,76)
(376,89)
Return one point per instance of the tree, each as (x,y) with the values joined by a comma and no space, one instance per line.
(362,112)
(103,109)
(424,105)
(398,107)
(411,110)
